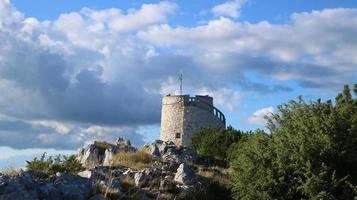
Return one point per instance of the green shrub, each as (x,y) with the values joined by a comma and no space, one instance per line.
(50,165)
(311,153)
(213,143)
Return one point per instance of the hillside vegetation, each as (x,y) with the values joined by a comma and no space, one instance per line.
(310,152)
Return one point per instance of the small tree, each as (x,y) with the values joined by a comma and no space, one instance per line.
(311,153)
(213,143)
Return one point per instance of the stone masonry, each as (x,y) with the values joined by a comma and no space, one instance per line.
(182,116)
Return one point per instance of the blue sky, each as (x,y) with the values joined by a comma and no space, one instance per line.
(190,13)
(75,71)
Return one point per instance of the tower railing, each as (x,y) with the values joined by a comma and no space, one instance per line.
(193,101)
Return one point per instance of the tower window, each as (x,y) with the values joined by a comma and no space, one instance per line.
(178,135)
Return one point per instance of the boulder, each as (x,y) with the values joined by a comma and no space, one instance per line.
(188,154)
(140,178)
(17,188)
(152,150)
(124,145)
(111,188)
(186,188)
(86,174)
(184,175)
(168,151)
(73,187)
(109,155)
(172,155)
(102,153)
(91,156)
(98,197)
(167,185)
(65,186)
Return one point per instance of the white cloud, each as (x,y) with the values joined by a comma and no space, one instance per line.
(222,97)
(259,117)
(99,73)
(59,127)
(147,15)
(170,86)
(313,46)
(9,16)
(230,8)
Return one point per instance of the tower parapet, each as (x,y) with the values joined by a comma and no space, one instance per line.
(182,116)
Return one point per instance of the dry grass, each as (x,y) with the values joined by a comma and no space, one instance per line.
(135,160)
(10,171)
(218,175)
(102,144)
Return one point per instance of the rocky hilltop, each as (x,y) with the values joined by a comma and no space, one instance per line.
(110,171)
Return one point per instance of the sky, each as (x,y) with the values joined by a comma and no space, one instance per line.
(75,71)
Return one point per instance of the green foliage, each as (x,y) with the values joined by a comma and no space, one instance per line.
(213,143)
(50,165)
(311,153)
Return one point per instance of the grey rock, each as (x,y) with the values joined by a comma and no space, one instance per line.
(91,156)
(73,187)
(64,187)
(109,155)
(110,187)
(184,175)
(102,153)
(141,178)
(186,188)
(86,174)
(49,191)
(152,150)
(168,151)
(189,155)
(17,188)
(167,185)
(124,145)
(98,197)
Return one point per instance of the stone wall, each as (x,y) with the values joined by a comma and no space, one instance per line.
(172,118)
(182,116)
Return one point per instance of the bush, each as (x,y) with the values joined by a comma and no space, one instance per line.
(311,153)
(213,143)
(137,160)
(50,165)
(10,171)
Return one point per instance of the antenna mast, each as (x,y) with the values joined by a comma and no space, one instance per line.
(181,78)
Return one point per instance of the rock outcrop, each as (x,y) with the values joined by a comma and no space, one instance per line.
(101,153)
(168,151)
(184,174)
(170,175)
(27,187)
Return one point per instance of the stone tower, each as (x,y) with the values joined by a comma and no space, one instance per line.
(182,116)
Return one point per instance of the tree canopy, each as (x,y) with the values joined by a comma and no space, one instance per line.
(310,153)
(213,143)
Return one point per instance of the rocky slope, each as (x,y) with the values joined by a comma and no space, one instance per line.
(172,174)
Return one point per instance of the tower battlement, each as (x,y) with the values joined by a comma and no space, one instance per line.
(182,116)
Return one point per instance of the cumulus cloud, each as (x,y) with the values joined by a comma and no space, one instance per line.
(101,73)
(21,134)
(312,48)
(260,116)
(223,97)
(229,8)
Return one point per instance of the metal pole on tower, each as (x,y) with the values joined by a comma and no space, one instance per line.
(181,78)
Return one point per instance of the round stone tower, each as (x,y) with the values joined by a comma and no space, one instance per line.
(182,116)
